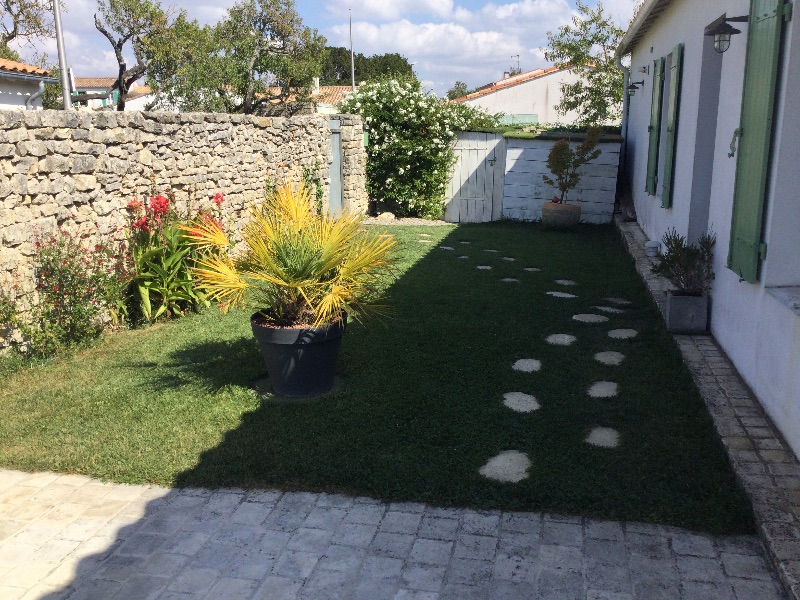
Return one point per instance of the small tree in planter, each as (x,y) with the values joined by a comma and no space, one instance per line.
(689,267)
(564,163)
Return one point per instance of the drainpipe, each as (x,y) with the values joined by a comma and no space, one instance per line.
(30,99)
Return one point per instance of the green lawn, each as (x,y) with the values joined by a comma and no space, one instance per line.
(418,409)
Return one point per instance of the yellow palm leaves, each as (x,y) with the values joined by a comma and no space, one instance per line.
(302,268)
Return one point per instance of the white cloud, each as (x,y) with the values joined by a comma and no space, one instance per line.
(382,10)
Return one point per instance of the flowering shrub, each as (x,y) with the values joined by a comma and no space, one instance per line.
(162,258)
(411,143)
(76,287)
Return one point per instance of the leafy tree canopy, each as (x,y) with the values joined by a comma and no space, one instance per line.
(336,68)
(25,21)
(459,90)
(587,47)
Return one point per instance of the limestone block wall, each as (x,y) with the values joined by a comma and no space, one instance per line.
(78,170)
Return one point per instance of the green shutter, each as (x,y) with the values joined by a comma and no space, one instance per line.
(655,126)
(672,123)
(752,164)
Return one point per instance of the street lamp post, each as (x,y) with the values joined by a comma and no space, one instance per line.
(62,57)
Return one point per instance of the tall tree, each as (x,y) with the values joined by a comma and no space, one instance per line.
(259,60)
(459,90)
(336,69)
(140,22)
(25,21)
(587,48)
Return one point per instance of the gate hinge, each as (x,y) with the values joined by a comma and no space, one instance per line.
(787,12)
(762,251)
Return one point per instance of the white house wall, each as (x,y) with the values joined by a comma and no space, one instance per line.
(536,97)
(759,332)
(14,93)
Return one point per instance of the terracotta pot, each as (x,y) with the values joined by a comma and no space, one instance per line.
(560,216)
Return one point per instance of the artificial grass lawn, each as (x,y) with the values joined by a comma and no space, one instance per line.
(419,408)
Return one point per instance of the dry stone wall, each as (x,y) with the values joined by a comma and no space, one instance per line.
(78,170)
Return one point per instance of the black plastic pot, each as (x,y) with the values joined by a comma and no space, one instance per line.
(300,362)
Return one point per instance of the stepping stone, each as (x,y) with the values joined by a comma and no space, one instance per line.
(566,282)
(603,389)
(424,235)
(610,358)
(510,280)
(610,309)
(509,258)
(484,268)
(490,250)
(561,339)
(561,295)
(446,247)
(618,301)
(519,402)
(464,256)
(464,242)
(527,365)
(622,334)
(531,269)
(425,241)
(603,437)
(589,318)
(510,466)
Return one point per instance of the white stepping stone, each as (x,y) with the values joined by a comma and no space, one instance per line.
(610,309)
(603,389)
(510,466)
(531,269)
(425,241)
(622,334)
(603,437)
(490,250)
(510,280)
(589,318)
(446,247)
(464,242)
(566,282)
(424,235)
(527,365)
(618,301)
(465,256)
(561,295)
(509,258)
(561,339)
(519,402)
(610,358)
(484,268)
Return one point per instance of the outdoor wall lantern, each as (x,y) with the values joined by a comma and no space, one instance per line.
(634,86)
(722,31)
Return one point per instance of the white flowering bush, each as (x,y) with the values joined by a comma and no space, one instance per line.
(411,138)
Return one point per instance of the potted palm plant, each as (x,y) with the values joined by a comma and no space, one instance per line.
(689,267)
(564,162)
(304,272)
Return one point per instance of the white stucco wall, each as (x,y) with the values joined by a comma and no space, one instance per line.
(537,96)
(14,92)
(760,333)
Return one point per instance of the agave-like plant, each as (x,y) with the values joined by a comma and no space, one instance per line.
(299,268)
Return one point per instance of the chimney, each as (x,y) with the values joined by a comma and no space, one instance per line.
(316,87)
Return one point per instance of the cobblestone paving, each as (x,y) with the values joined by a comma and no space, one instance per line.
(67,536)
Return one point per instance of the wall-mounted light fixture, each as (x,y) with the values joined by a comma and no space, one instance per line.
(634,86)
(722,31)
(645,69)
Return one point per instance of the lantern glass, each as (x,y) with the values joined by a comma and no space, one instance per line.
(722,41)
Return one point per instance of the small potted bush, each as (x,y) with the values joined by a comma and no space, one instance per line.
(564,162)
(304,273)
(689,268)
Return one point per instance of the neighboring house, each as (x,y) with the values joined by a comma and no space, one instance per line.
(21,85)
(712,144)
(139,96)
(327,97)
(527,98)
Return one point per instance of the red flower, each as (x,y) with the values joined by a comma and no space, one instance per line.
(135,205)
(211,220)
(141,224)
(159,205)
(219,198)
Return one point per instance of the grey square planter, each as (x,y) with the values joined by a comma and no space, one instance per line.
(686,314)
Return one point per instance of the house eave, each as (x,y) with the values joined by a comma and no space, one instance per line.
(647,14)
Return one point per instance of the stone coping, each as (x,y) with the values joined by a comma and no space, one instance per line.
(764,463)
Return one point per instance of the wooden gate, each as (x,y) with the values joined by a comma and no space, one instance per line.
(335,201)
(475,191)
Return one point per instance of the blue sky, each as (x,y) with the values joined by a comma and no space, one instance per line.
(448,40)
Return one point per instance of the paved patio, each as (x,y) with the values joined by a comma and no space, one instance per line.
(67,536)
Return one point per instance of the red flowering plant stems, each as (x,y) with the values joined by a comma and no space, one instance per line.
(162,282)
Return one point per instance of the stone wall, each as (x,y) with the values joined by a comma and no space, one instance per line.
(78,170)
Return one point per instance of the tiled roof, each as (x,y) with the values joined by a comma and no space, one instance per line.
(94,83)
(18,67)
(139,91)
(332,94)
(509,82)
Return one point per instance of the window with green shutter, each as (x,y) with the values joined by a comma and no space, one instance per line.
(673,109)
(752,163)
(655,126)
